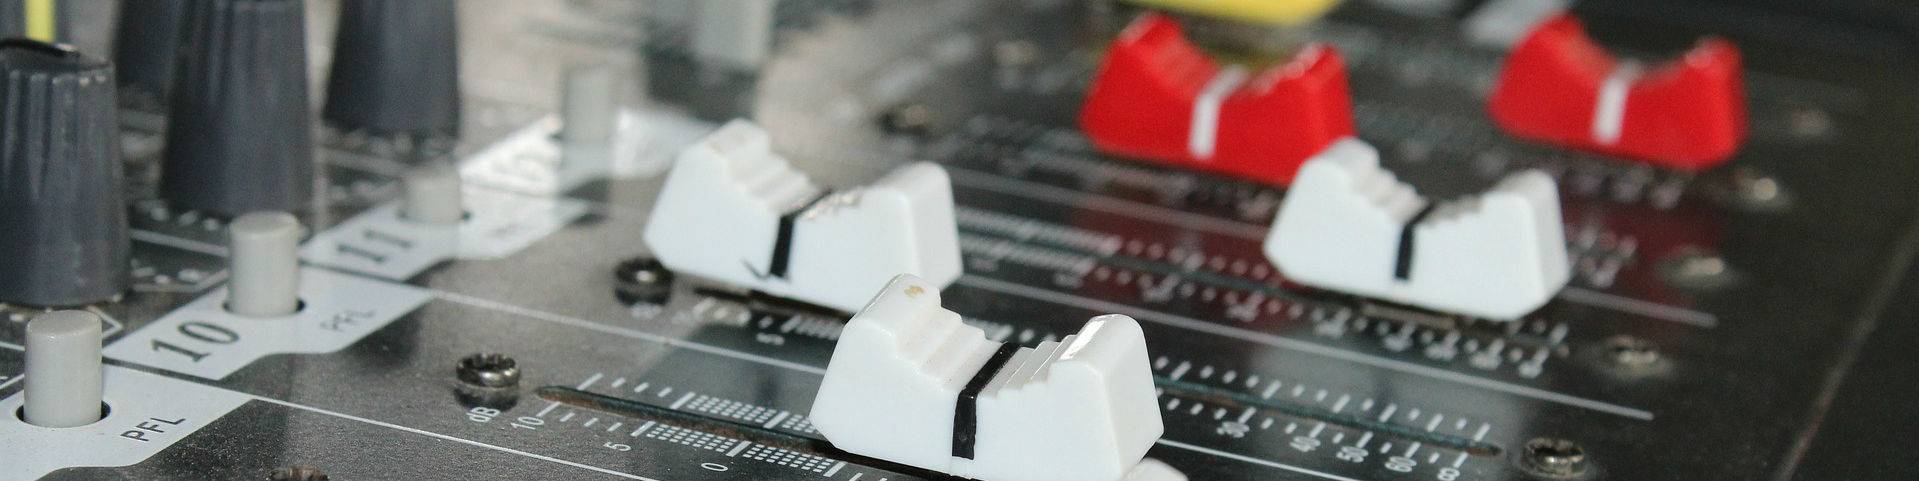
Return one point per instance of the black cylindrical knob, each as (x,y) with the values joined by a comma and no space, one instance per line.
(144,43)
(63,224)
(239,138)
(396,69)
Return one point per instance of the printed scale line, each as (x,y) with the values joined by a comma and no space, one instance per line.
(1297,345)
(1127,208)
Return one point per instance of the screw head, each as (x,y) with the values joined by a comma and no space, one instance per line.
(914,119)
(1703,266)
(645,271)
(1560,458)
(1754,190)
(643,280)
(646,277)
(1696,269)
(489,370)
(1810,124)
(1630,351)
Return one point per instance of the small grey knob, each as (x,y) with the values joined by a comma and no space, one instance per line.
(433,195)
(736,34)
(589,114)
(264,271)
(590,103)
(63,384)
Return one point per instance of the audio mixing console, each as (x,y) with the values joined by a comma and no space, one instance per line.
(469,287)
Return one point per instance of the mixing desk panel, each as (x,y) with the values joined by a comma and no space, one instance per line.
(469,285)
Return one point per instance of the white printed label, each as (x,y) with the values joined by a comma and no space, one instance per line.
(533,161)
(649,140)
(203,339)
(527,161)
(498,224)
(147,413)
(380,243)
(502,223)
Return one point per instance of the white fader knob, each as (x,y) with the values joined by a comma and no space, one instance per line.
(910,383)
(1150,469)
(63,370)
(1348,225)
(734,211)
(264,265)
(432,195)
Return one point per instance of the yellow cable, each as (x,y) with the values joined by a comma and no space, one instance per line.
(40,24)
(1279,12)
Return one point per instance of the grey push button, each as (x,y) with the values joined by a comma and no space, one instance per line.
(590,103)
(63,387)
(735,33)
(433,195)
(589,117)
(265,265)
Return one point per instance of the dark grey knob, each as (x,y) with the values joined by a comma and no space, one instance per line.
(239,138)
(63,224)
(144,43)
(395,69)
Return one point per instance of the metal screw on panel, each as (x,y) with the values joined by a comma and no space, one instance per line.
(1696,269)
(1559,458)
(489,370)
(643,271)
(298,473)
(643,280)
(1751,189)
(1628,351)
(1810,123)
(915,119)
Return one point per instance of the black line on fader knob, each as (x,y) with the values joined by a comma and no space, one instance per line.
(783,241)
(783,245)
(966,411)
(1403,262)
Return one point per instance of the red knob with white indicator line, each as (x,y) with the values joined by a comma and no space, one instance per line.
(1559,87)
(1158,97)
